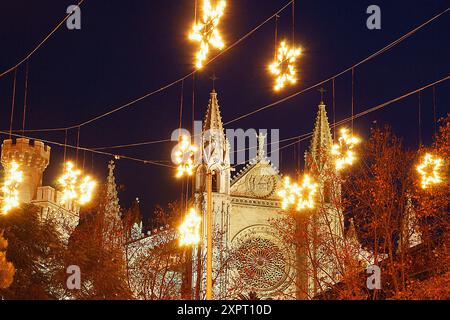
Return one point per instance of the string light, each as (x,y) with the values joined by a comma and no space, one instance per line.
(301,196)
(206,31)
(283,67)
(189,231)
(184,157)
(429,170)
(87,187)
(344,151)
(10,188)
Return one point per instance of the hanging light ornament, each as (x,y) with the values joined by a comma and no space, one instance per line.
(189,231)
(301,196)
(283,67)
(10,188)
(184,157)
(86,188)
(68,182)
(344,151)
(307,194)
(429,170)
(206,31)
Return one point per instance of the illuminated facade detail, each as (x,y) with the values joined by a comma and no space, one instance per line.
(189,231)
(429,171)
(344,151)
(206,32)
(284,66)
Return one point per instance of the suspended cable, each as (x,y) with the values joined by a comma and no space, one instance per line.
(49,142)
(353,96)
(25,99)
(13,104)
(386,48)
(133,102)
(434,111)
(374,55)
(334,109)
(334,126)
(28,56)
(420,117)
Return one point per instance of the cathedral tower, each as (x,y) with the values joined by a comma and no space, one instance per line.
(326,224)
(33,158)
(215,158)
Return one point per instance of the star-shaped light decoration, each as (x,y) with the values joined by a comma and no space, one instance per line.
(283,67)
(68,182)
(344,151)
(184,157)
(429,170)
(206,31)
(10,188)
(301,196)
(86,189)
(189,231)
(307,194)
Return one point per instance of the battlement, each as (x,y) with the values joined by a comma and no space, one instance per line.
(31,153)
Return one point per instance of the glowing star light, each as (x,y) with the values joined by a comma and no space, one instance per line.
(307,194)
(344,151)
(206,33)
(189,231)
(429,170)
(68,181)
(283,68)
(184,157)
(10,188)
(301,196)
(86,188)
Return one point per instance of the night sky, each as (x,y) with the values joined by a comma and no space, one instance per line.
(126,49)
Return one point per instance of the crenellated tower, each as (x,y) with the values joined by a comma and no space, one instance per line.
(33,158)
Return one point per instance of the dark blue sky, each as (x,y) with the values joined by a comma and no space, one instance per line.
(128,48)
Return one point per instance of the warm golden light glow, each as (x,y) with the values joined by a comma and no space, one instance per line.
(206,31)
(429,170)
(301,196)
(307,196)
(10,188)
(189,231)
(283,68)
(344,151)
(68,182)
(87,187)
(184,157)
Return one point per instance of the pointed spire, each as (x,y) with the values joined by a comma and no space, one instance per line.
(322,140)
(112,205)
(213,120)
(351,232)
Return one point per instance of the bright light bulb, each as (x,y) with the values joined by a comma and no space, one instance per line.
(189,231)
